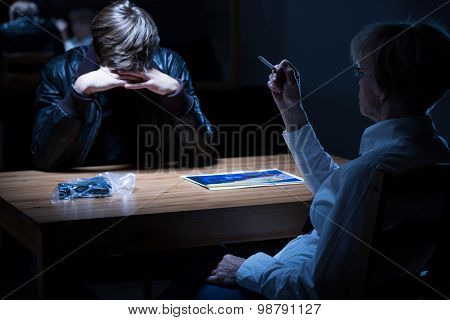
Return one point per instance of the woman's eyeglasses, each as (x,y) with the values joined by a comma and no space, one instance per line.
(358,73)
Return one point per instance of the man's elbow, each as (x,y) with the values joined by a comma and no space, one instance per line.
(40,160)
(41,164)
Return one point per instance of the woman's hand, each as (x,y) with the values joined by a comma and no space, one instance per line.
(226,271)
(284,87)
(287,96)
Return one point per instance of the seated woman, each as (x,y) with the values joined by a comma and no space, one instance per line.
(403,71)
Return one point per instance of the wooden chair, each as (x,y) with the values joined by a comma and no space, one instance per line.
(404,194)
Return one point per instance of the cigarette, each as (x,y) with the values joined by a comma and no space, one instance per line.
(267,63)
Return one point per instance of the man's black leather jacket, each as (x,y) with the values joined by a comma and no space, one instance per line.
(66,124)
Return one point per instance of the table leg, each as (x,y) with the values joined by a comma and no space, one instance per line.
(50,270)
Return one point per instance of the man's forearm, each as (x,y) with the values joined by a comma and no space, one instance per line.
(294,118)
(82,87)
(75,104)
(179,102)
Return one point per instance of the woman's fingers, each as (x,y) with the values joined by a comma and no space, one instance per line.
(288,71)
(213,279)
(274,83)
(284,79)
(272,87)
(284,64)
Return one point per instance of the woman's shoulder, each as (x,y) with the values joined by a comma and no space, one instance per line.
(358,167)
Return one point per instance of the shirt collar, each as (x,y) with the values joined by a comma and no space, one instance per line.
(389,131)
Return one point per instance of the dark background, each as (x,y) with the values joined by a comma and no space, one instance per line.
(221,43)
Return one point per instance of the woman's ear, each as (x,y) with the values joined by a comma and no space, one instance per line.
(381,98)
(380,94)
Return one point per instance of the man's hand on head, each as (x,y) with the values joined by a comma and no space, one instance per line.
(101,80)
(153,80)
(226,271)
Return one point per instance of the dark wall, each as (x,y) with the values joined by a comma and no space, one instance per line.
(315,36)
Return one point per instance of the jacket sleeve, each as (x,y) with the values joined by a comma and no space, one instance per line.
(313,162)
(192,129)
(56,127)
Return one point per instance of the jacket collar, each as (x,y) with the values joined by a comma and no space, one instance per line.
(91,62)
(390,131)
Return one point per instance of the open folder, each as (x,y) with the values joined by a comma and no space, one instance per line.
(244,179)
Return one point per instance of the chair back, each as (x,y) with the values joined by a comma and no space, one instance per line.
(409,213)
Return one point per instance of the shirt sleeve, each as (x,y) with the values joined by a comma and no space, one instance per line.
(313,162)
(325,264)
(277,277)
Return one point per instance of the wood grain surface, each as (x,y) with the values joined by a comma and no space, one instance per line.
(156,191)
(164,212)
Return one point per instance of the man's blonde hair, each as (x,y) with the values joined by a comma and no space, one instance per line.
(125,37)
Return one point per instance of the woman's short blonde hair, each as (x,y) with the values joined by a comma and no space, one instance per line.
(410,62)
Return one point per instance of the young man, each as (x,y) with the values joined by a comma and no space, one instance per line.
(96,103)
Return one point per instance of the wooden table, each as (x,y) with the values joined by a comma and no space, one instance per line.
(164,212)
